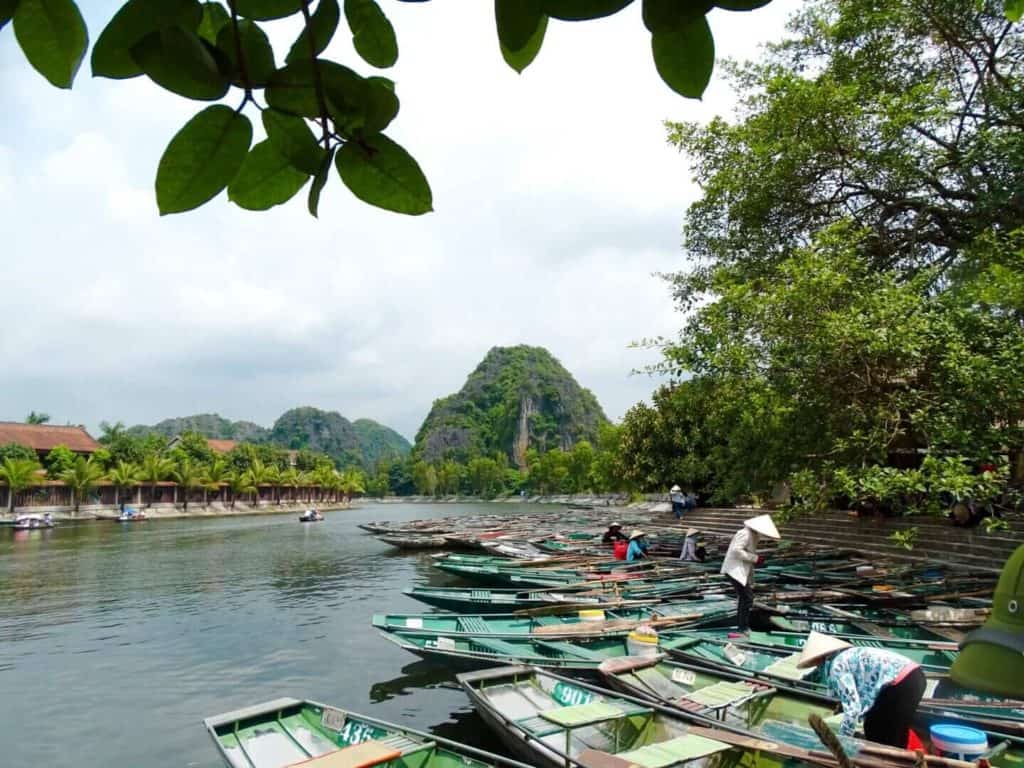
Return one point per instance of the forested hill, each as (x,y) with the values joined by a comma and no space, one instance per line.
(361,443)
(517,398)
(207,424)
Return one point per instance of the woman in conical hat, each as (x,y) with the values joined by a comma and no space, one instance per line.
(879,685)
(738,566)
(637,546)
(689,552)
(992,658)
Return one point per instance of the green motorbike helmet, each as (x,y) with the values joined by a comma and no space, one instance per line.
(992,658)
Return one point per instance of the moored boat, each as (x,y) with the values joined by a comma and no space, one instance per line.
(311,516)
(291,732)
(131,515)
(476,600)
(33,521)
(413,540)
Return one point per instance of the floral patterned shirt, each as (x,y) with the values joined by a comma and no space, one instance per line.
(857,675)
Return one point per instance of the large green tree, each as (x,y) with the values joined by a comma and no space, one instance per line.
(18,474)
(81,477)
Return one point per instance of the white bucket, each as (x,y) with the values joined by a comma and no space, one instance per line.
(642,641)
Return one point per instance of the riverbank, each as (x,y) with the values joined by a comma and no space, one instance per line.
(175,511)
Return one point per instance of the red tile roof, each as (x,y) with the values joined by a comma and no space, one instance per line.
(43,437)
(221,446)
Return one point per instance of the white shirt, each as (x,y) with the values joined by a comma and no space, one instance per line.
(741,556)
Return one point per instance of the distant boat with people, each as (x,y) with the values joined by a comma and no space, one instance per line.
(130,515)
(31,522)
(311,516)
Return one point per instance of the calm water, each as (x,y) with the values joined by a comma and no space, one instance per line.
(116,640)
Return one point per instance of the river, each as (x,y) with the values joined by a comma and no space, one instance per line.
(117,640)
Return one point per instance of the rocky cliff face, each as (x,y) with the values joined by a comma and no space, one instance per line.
(516,399)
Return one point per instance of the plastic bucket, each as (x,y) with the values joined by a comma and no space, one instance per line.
(958,741)
(640,643)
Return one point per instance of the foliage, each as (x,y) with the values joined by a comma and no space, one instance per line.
(18,474)
(210,425)
(377,441)
(485,476)
(128,445)
(17,451)
(904,538)
(314,109)
(192,446)
(424,477)
(517,398)
(320,431)
(81,477)
(57,460)
(854,293)
(188,476)
(124,476)
(37,418)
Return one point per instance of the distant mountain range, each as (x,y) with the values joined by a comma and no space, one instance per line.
(362,442)
(517,398)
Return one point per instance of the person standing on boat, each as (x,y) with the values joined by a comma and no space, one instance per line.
(879,685)
(637,546)
(675,495)
(739,562)
(613,534)
(689,553)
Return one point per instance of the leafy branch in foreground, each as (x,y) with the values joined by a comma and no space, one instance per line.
(204,51)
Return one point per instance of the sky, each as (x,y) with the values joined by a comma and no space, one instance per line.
(556,197)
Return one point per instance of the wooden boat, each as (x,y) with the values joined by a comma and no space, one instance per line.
(292,732)
(413,541)
(776,711)
(551,721)
(311,516)
(131,516)
(933,656)
(469,600)
(579,623)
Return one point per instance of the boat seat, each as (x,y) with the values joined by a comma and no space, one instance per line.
(473,625)
(480,594)
(786,668)
(497,646)
(725,694)
(362,755)
(402,742)
(677,750)
(595,758)
(571,649)
(582,714)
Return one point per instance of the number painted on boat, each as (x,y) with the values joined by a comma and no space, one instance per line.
(570,696)
(414,623)
(355,732)
(684,676)
(332,719)
(828,627)
(441,644)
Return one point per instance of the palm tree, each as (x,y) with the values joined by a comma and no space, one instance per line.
(188,476)
(17,475)
(322,477)
(272,475)
(306,481)
(124,476)
(238,483)
(81,477)
(216,475)
(290,479)
(154,469)
(352,481)
(251,484)
(37,418)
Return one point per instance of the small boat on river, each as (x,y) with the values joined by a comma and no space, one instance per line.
(482,600)
(413,540)
(131,515)
(311,516)
(33,522)
(292,732)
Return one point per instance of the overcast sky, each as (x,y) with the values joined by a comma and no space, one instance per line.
(556,199)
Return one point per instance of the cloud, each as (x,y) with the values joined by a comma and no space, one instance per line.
(557,197)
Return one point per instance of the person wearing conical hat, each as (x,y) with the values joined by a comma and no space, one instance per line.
(637,546)
(739,562)
(992,658)
(878,685)
(675,495)
(689,553)
(613,534)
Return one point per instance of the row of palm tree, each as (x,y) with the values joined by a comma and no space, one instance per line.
(81,477)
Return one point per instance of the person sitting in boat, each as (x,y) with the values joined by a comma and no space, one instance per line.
(879,685)
(637,546)
(48,519)
(739,562)
(613,534)
(689,553)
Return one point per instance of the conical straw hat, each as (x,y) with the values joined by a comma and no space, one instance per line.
(692,531)
(763,524)
(817,647)
(675,488)
(636,534)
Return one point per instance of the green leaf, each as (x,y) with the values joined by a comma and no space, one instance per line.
(53,37)
(202,159)
(381,173)
(667,15)
(265,179)
(319,181)
(215,16)
(291,89)
(293,139)
(256,52)
(265,10)
(521,27)
(381,104)
(112,57)
(685,57)
(7,8)
(372,33)
(322,25)
(582,10)
(180,61)
(1014,9)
